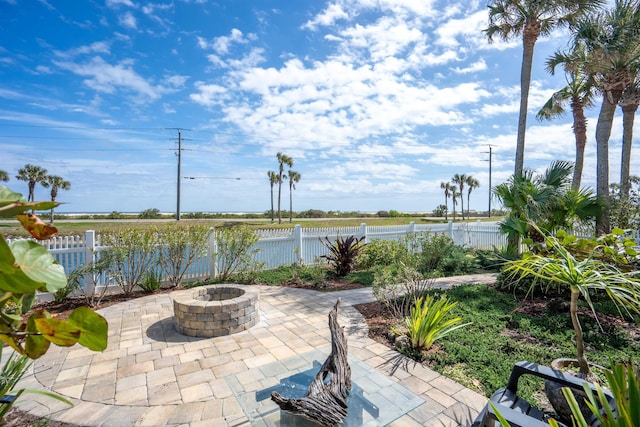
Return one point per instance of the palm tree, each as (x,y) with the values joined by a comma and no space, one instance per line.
(629,104)
(4,176)
(531,19)
(56,183)
(273,179)
(283,159)
(579,93)
(33,175)
(529,198)
(471,184)
(612,43)
(447,187)
(461,180)
(454,199)
(293,178)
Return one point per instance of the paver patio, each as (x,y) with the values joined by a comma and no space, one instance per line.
(150,375)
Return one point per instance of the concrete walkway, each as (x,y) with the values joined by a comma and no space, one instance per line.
(152,376)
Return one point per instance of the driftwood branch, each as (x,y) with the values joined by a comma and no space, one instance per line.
(326,402)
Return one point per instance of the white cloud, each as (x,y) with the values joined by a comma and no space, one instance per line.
(117,3)
(221,45)
(208,94)
(128,20)
(480,65)
(327,17)
(107,78)
(469,27)
(93,48)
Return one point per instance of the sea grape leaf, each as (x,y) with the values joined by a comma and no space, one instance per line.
(94,328)
(35,344)
(12,204)
(59,332)
(38,265)
(7,261)
(36,227)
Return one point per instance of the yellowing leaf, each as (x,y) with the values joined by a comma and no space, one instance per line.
(36,227)
(58,331)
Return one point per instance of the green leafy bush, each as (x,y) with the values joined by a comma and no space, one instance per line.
(86,278)
(430,320)
(382,253)
(342,254)
(436,254)
(181,247)
(130,253)
(234,252)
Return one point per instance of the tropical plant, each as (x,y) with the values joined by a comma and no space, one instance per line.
(440,210)
(56,183)
(396,286)
(531,19)
(130,253)
(181,247)
(33,175)
(4,176)
(342,253)
(625,211)
(12,372)
(579,93)
(283,160)
(86,278)
(380,252)
(629,103)
(612,43)
(454,200)
(234,251)
(430,320)
(581,276)
(446,186)
(624,384)
(472,183)
(460,180)
(151,281)
(28,267)
(151,213)
(294,177)
(273,179)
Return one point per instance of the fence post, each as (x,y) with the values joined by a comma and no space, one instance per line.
(89,259)
(212,250)
(297,243)
(412,227)
(363,232)
(449,231)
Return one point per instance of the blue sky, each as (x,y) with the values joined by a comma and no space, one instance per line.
(377,102)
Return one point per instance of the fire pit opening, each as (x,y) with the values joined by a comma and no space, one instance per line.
(215,310)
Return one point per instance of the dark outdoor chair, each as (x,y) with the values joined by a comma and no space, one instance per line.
(520,413)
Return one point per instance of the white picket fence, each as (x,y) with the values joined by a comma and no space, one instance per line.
(278,247)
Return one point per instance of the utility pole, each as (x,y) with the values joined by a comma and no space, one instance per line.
(179,154)
(490,155)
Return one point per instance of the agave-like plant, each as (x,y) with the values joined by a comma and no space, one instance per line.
(430,320)
(342,254)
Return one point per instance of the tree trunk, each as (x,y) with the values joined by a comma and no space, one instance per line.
(326,402)
(628,117)
(271,203)
(528,41)
(573,310)
(580,132)
(603,133)
(446,208)
(290,201)
(279,198)
(462,204)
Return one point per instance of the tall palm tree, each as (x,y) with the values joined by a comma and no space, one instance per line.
(531,19)
(56,183)
(4,176)
(454,199)
(579,93)
(447,187)
(283,160)
(33,175)
(629,104)
(273,179)
(472,183)
(612,43)
(293,178)
(460,180)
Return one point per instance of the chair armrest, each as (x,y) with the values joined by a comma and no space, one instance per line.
(515,418)
(566,380)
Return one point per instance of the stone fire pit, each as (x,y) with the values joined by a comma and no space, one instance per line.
(215,310)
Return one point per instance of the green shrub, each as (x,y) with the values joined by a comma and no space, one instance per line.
(63,293)
(181,247)
(436,254)
(396,286)
(382,252)
(430,320)
(342,254)
(151,281)
(235,252)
